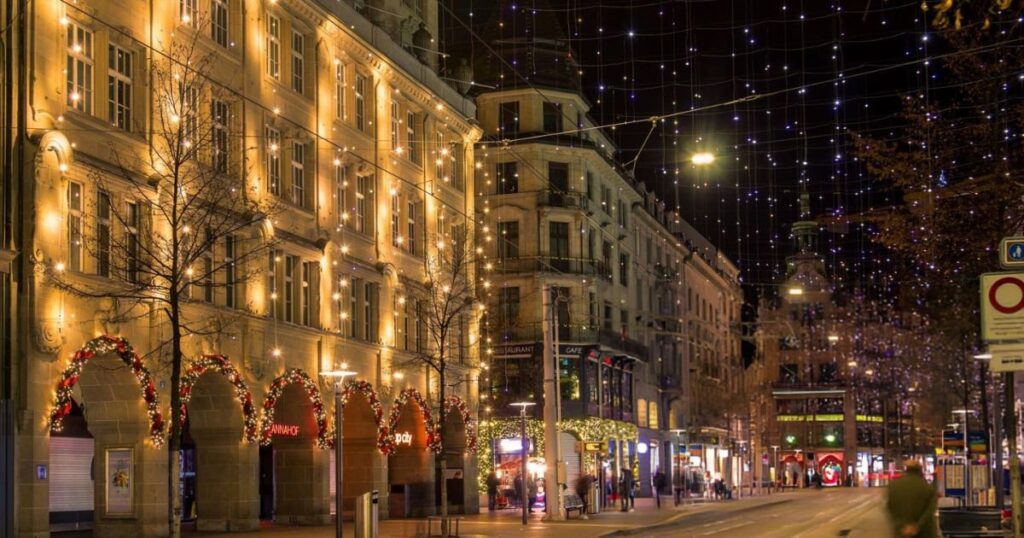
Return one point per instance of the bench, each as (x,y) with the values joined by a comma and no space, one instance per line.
(572,501)
(441,522)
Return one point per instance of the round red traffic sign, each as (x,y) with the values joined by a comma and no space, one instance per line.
(994,301)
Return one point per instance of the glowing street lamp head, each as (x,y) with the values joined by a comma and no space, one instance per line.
(702,158)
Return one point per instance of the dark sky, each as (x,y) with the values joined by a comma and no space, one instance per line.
(773,88)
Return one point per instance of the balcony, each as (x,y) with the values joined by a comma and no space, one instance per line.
(550,264)
(616,340)
(566,200)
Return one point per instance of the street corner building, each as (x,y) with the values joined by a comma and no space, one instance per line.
(332,125)
(644,310)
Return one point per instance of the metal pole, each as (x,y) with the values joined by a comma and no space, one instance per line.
(338,459)
(552,491)
(967,465)
(997,444)
(523,495)
(1011,437)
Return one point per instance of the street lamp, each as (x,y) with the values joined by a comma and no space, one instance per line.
(338,376)
(702,158)
(526,452)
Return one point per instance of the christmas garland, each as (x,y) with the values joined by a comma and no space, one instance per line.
(295,375)
(433,441)
(100,346)
(460,405)
(224,366)
(384,442)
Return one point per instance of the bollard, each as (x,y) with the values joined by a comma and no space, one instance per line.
(367,514)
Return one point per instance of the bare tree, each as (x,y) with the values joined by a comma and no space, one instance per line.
(183,224)
(451,294)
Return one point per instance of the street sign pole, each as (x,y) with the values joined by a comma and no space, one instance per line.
(1011,437)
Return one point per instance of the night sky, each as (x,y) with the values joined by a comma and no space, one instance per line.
(775,89)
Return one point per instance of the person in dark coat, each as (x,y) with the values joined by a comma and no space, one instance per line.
(912,503)
(492,491)
(531,490)
(660,481)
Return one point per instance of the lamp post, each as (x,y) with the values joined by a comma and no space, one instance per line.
(676,466)
(526,452)
(775,462)
(338,376)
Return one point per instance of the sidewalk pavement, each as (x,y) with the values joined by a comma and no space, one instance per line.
(507,523)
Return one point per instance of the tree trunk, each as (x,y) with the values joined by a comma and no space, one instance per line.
(174,437)
(444,445)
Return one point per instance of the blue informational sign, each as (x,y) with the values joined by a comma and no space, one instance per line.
(1012,252)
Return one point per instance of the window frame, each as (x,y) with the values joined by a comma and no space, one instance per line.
(298,63)
(76,203)
(273,139)
(80,67)
(120,66)
(298,173)
(273,31)
(220,22)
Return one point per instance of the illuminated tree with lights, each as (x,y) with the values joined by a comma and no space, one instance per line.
(189,226)
(955,158)
(449,306)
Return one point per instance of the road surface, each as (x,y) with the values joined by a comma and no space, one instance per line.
(805,514)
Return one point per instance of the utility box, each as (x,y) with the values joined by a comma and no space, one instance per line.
(366,514)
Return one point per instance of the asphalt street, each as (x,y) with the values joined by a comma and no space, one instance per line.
(807,514)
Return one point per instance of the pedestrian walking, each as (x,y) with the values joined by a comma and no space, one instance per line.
(659,484)
(531,491)
(912,503)
(492,491)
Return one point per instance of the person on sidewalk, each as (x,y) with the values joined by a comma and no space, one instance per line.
(517,485)
(659,484)
(531,491)
(492,491)
(912,504)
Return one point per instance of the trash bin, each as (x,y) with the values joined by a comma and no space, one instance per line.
(366,515)
(593,497)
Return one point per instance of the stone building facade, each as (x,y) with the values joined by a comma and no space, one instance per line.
(647,309)
(366,156)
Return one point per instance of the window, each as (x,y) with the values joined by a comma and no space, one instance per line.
(79,68)
(310,285)
(187,10)
(396,235)
(508,307)
(562,297)
(219,135)
(272,298)
(298,61)
(354,313)
(75,226)
(299,174)
(103,233)
(273,160)
(274,46)
(410,222)
(442,155)
(623,214)
(410,132)
(370,295)
(552,117)
(189,115)
(288,285)
(396,124)
(508,239)
(507,177)
(340,194)
(558,244)
(558,176)
(606,199)
(624,269)
(219,22)
(133,228)
(457,180)
(652,414)
(607,320)
(363,191)
(206,277)
(590,185)
(119,87)
(508,118)
(641,413)
(230,300)
(360,92)
(421,326)
(339,89)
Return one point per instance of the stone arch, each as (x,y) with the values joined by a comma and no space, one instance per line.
(105,345)
(222,365)
(411,464)
(365,438)
(311,390)
(118,426)
(58,143)
(456,406)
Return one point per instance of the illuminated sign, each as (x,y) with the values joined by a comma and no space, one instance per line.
(825,418)
(510,445)
(595,446)
(403,439)
(284,430)
(641,448)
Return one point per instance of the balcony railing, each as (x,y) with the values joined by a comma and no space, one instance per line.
(617,340)
(572,333)
(550,264)
(568,200)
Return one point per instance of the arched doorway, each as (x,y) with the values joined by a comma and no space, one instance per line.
(219,459)
(106,402)
(293,481)
(459,448)
(363,464)
(411,462)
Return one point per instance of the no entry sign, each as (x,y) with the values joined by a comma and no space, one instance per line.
(1002,306)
